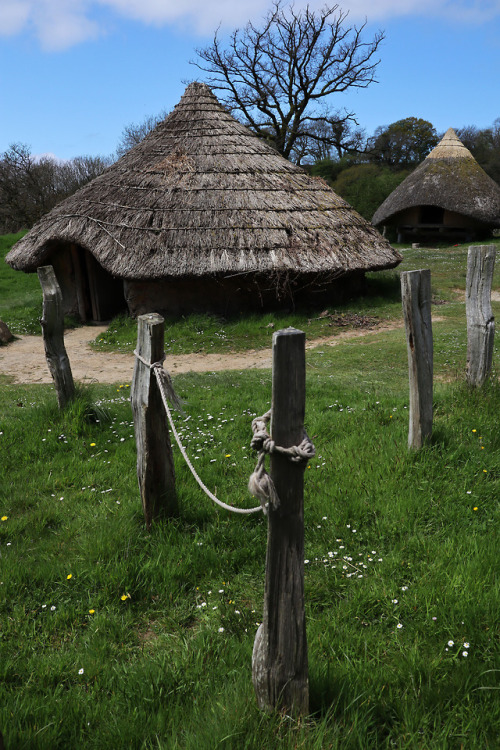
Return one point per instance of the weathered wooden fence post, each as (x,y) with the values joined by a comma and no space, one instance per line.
(155,462)
(53,336)
(480,320)
(279,664)
(416,297)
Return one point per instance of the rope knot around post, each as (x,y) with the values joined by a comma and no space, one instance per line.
(260,483)
(261,440)
(151,365)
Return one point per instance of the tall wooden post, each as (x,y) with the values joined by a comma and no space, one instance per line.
(53,336)
(279,664)
(416,297)
(155,462)
(480,320)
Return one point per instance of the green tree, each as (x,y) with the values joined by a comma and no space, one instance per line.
(404,144)
(366,186)
(330,168)
(279,76)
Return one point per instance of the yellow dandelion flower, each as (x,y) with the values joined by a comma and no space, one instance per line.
(92,445)
(485,471)
(4,518)
(68,577)
(91,611)
(228,455)
(475,508)
(474,430)
(124,597)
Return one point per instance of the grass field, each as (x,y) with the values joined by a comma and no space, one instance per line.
(115,638)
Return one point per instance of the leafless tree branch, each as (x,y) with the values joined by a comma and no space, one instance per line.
(275,76)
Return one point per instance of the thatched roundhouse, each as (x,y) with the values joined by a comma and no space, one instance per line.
(449,196)
(201,215)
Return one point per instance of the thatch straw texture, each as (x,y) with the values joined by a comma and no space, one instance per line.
(449,177)
(202,195)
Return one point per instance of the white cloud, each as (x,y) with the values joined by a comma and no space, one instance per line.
(14,15)
(207,14)
(202,16)
(60,24)
(468,11)
(48,155)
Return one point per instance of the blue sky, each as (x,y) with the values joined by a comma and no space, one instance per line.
(73,73)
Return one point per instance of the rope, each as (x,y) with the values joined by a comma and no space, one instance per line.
(260,483)
(165,385)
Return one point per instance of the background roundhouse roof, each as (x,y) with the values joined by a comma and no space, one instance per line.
(449,177)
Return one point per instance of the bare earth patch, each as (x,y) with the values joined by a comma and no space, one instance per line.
(24,359)
(495,296)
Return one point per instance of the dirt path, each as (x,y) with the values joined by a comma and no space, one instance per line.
(495,296)
(24,359)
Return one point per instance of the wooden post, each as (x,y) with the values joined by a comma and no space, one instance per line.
(53,336)
(480,320)
(155,462)
(416,296)
(279,663)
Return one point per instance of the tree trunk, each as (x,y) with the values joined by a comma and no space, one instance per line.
(155,462)
(480,320)
(416,296)
(53,336)
(279,664)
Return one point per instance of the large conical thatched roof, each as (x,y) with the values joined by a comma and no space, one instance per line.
(200,195)
(449,177)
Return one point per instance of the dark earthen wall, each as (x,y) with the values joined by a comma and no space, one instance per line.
(228,296)
(455,226)
(218,294)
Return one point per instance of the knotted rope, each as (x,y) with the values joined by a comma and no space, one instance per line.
(260,483)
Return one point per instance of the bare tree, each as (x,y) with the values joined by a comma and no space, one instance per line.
(321,141)
(30,186)
(73,174)
(135,132)
(277,77)
(484,145)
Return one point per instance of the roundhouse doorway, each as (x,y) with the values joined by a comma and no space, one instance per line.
(99,295)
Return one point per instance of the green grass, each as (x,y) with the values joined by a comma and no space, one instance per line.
(391,538)
(20,293)
(21,307)
(209,333)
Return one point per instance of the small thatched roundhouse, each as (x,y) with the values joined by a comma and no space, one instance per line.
(201,215)
(449,197)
